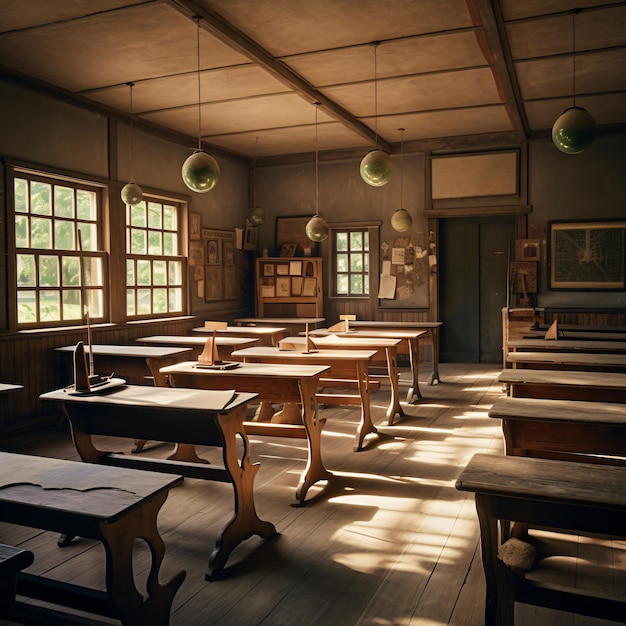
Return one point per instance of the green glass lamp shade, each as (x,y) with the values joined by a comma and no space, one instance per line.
(200,172)
(401,220)
(574,130)
(256,215)
(376,168)
(131,193)
(317,228)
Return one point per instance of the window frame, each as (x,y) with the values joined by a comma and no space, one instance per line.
(23,172)
(373,230)
(180,231)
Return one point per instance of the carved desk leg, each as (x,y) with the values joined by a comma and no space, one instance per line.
(414,390)
(118,538)
(366,426)
(245,522)
(314,425)
(392,367)
(501,582)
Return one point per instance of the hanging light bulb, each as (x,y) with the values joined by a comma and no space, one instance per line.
(256,215)
(200,171)
(376,165)
(401,219)
(575,129)
(317,228)
(131,192)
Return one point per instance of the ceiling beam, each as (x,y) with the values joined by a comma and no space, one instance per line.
(499,57)
(215,24)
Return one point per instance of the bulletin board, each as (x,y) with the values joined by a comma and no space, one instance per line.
(404,272)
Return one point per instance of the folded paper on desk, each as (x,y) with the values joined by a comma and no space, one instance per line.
(218,365)
(296,344)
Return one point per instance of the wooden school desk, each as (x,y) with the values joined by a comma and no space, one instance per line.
(592,432)
(187,416)
(431,328)
(410,336)
(272,383)
(585,361)
(345,365)
(565,385)
(567,345)
(267,335)
(225,344)
(134,363)
(386,352)
(578,334)
(292,323)
(109,504)
(564,496)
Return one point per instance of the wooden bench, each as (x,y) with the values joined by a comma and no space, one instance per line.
(565,385)
(572,430)
(112,505)
(12,561)
(581,361)
(562,496)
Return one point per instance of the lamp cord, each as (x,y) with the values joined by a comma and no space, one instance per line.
(401,166)
(574,57)
(197,19)
(130,136)
(376,94)
(256,143)
(317,187)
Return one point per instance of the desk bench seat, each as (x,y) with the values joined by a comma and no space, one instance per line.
(558,495)
(12,561)
(592,432)
(111,505)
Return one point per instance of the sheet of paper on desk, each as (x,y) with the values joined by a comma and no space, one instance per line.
(208,398)
(183,398)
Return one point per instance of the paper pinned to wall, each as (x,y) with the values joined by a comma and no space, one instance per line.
(387,287)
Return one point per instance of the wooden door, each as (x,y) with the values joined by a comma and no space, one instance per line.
(472,282)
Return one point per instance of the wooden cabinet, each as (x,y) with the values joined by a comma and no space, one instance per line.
(289,287)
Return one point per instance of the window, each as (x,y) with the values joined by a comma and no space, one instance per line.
(351,256)
(54,219)
(154,269)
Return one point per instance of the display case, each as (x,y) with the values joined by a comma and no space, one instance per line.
(289,287)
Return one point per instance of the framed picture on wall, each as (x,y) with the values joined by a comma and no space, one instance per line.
(586,255)
(194,225)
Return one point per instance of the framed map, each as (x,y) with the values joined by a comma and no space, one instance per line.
(586,255)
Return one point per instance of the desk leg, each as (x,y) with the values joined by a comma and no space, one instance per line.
(434,333)
(313,425)
(394,405)
(366,426)
(500,581)
(118,539)
(414,390)
(245,522)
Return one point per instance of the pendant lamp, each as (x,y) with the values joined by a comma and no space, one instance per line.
(401,219)
(200,171)
(317,228)
(575,129)
(256,215)
(376,165)
(131,192)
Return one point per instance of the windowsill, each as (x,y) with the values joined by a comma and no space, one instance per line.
(97,326)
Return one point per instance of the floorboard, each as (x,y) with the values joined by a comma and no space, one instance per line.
(388,541)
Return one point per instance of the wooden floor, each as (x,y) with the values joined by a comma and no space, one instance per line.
(389,541)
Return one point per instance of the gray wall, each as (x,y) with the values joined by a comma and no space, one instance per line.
(586,186)
(41,130)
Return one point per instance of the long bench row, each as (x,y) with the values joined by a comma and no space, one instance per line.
(564,469)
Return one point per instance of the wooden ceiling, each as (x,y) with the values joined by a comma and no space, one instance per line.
(452,73)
